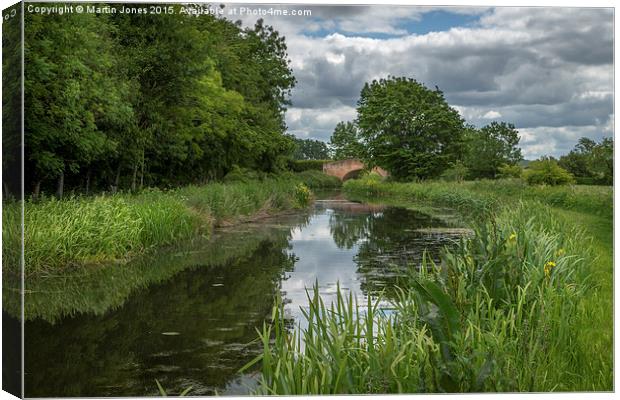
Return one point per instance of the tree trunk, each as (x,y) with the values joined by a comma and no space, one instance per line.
(37,190)
(61,185)
(88,180)
(116,179)
(134,177)
(142,172)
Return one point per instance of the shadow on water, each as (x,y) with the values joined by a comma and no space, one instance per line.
(192,322)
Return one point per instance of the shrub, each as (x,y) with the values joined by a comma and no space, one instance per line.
(546,171)
(510,171)
(244,175)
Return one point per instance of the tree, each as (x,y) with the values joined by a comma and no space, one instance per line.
(71,94)
(345,141)
(601,161)
(123,100)
(546,171)
(487,149)
(591,161)
(408,129)
(310,149)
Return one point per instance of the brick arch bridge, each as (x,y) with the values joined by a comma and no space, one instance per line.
(347,169)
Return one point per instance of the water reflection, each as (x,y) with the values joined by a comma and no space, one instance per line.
(364,248)
(195,326)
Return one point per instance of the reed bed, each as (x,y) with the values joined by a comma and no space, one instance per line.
(84,230)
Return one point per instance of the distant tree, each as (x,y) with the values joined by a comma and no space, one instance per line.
(546,171)
(490,147)
(310,149)
(601,162)
(591,160)
(345,141)
(408,129)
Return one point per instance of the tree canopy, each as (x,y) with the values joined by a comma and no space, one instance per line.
(408,129)
(591,160)
(345,141)
(487,149)
(126,100)
(310,149)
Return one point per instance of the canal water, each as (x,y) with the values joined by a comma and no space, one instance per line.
(195,326)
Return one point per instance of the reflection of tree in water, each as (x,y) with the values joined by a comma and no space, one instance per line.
(214,310)
(389,243)
(347,229)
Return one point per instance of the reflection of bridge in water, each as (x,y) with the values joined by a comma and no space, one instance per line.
(348,169)
(349,206)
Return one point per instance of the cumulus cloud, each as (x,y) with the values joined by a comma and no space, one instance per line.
(492,115)
(547,70)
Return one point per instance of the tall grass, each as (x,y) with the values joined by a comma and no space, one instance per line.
(505,310)
(60,234)
(484,195)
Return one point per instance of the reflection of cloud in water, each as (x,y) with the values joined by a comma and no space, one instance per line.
(363,248)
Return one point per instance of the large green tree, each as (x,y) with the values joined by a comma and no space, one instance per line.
(489,148)
(123,100)
(345,141)
(408,129)
(310,149)
(74,100)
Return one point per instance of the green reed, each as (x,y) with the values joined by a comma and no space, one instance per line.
(82,230)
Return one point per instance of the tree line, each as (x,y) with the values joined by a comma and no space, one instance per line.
(411,131)
(123,101)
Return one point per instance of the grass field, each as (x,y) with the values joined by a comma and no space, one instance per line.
(78,231)
(524,305)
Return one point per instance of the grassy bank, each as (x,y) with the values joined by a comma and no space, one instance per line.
(525,305)
(80,231)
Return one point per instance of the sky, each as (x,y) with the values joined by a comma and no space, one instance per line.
(547,70)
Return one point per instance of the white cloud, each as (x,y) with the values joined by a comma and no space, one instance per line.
(492,115)
(547,70)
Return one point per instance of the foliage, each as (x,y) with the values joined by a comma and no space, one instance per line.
(457,172)
(143,100)
(505,298)
(509,171)
(546,171)
(11,100)
(302,195)
(490,147)
(310,149)
(590,161)
(408,129)
(63,234)
(306,165)
(345,141)
(163,393)
(316,180)
(515,294)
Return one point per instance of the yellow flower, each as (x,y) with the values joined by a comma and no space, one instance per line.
(548,267)
(560,253)
(512,238)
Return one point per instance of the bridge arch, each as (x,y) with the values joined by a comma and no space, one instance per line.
(349,168)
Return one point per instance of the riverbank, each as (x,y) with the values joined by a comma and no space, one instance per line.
(524,305)
(80,232)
